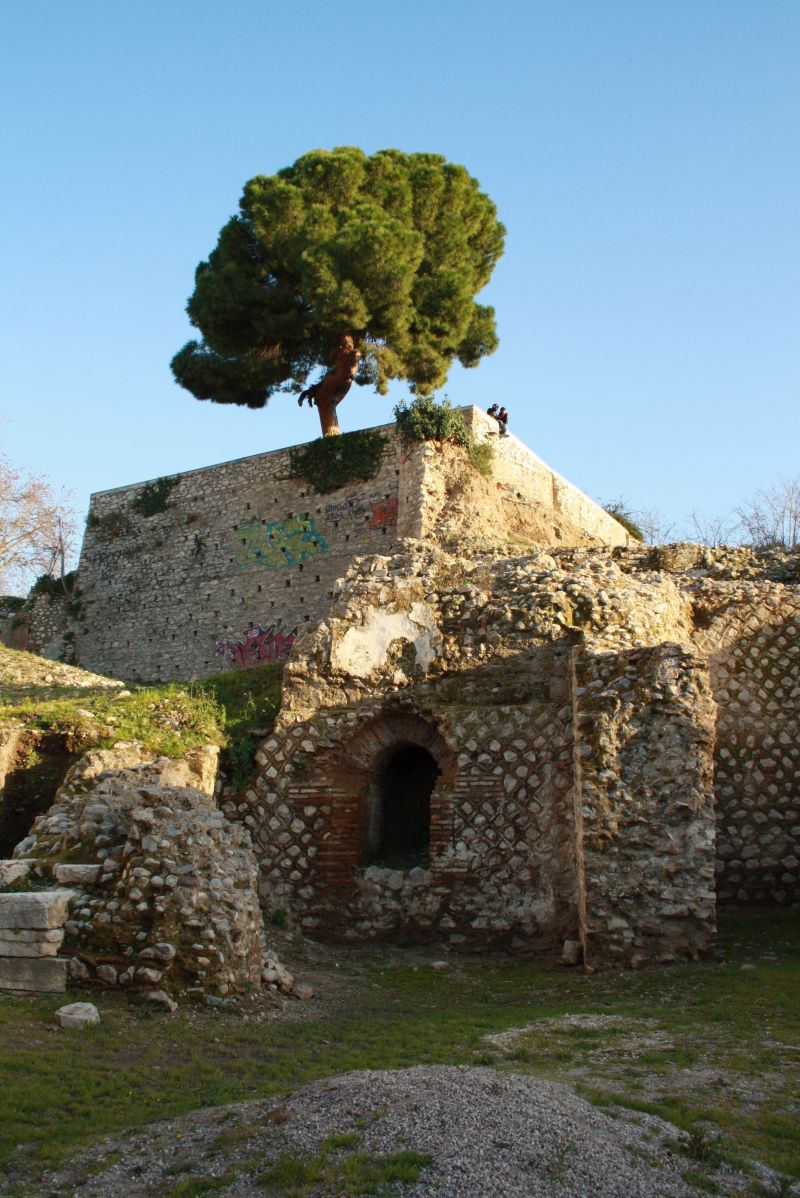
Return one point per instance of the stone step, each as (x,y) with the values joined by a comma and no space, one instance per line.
(30,942)
(34,909)
(47,974)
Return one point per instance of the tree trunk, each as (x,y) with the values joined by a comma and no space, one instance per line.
(329,421)
(329,392)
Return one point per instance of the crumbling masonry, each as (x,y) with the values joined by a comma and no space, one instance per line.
(613,739)
(503,723)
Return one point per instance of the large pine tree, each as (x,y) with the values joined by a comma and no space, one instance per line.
(364,266)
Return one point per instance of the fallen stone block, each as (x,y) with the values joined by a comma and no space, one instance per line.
(159,999)
(47,974)
(572,952)
(77,875)
(15,871)
(35,908)
(78,1015)
(30,942)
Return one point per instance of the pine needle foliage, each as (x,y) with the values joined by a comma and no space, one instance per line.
(390,248)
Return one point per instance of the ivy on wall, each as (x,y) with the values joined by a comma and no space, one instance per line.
(333,462)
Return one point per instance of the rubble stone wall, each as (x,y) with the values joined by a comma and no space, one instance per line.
(643,752)
(750,635)
(573,799)
(163,890)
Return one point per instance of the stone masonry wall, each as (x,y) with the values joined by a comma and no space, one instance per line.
(523,477)
(243,556)
(571,799)
(496,722)
(750,634)
(644,738)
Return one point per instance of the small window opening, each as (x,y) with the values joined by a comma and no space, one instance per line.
(400,817)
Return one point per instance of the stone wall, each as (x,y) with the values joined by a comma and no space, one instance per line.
(570,700)
(644,735)
(750,633)
(162,890)
(243,557)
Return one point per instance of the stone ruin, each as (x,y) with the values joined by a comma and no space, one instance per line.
(577,745)
(135,879)
(512,727)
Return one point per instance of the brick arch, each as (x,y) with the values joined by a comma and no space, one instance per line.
(385,732)
(349,782)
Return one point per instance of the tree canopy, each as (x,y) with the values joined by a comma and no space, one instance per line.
(365,266)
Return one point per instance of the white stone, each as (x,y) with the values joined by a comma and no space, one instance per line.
(76,875)
(572,952)
(78,1015)
(47,974)
(361,650)
(30,943)
(35,909)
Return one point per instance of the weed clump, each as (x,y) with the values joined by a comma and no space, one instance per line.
(425,419)
(154,497)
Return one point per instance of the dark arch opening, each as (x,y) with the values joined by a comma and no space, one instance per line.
(404,785)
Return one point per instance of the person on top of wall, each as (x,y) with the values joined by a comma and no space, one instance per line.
(502,419)
(492,411)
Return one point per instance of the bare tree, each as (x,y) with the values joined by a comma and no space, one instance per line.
(37,528)
(771,518)
(714,530)
(657,529)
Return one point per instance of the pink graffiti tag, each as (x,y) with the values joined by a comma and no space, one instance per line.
(258,645)
(384,513)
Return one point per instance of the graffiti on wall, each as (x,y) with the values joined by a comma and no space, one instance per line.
(274,546)
(256,646)
(353,509)
(372,512)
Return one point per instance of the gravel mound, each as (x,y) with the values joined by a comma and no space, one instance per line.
(487,1133)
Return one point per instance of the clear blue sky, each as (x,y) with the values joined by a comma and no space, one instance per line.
(645,158)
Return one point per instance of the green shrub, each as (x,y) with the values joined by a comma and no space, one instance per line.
(248,699)
(154,497)
(54,588)
(332,462)
(112,524)
(624,516)
(425,419)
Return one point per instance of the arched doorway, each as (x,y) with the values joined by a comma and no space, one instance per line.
(399,811)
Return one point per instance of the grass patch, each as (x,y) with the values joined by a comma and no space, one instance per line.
(196,1187)
(55,1094)
(248,700)
(167,720)
(170,720)
(358,1173)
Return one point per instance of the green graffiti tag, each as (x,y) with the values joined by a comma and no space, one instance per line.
(275,546)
